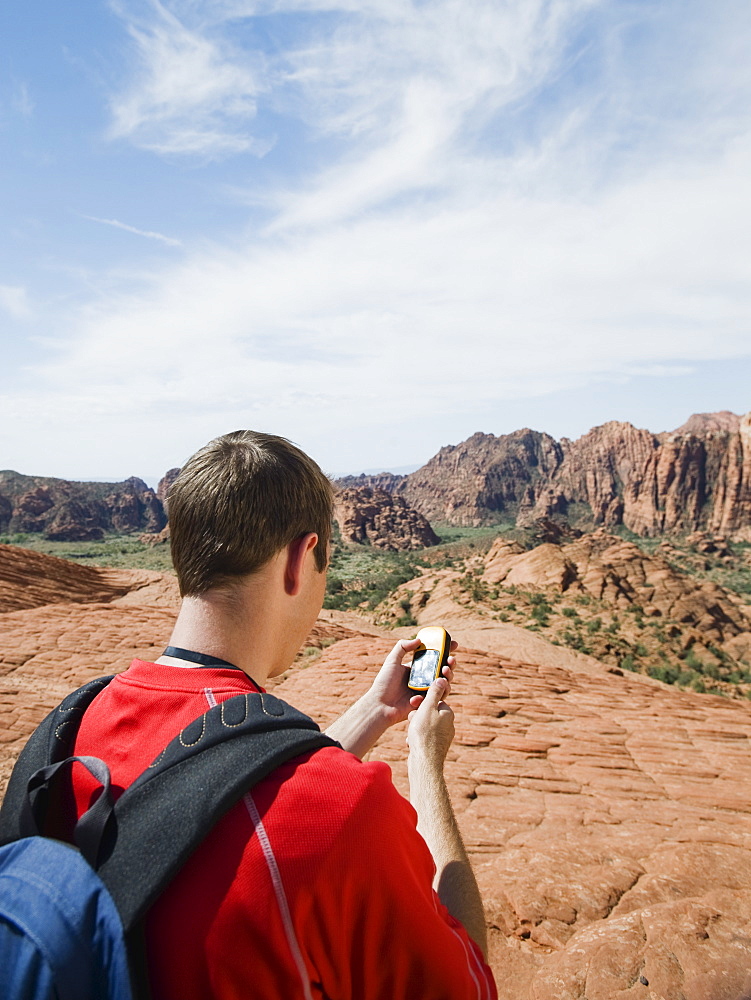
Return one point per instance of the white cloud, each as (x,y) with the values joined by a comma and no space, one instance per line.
(357,70)
(170,241)
(188,96)
(14,300)
(338,334)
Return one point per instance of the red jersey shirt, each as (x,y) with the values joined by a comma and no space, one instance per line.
(316,884)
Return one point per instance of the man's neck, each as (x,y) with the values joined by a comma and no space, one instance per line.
(259,622)
(227,625)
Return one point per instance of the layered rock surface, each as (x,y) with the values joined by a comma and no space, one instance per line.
(30,579)
(608,816)
(372,515)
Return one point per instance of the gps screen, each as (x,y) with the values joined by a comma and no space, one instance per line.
(424,667)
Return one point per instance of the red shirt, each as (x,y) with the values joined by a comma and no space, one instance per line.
(316,884)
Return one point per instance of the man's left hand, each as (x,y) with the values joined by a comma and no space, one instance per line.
(389,689)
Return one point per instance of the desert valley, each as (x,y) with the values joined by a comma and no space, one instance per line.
(601,593)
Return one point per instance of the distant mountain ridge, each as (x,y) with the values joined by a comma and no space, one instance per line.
(697,477)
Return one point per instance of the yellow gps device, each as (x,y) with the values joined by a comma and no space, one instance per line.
(430,657)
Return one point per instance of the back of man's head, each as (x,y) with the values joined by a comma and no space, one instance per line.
(240,500)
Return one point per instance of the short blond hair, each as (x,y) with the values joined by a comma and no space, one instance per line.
(240,500)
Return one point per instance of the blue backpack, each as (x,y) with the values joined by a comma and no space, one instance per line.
(71,918)
(60,932)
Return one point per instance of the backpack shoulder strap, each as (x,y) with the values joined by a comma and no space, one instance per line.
(165,814)
(50,743)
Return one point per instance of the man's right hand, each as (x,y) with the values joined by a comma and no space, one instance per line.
(431,726)
(431,730)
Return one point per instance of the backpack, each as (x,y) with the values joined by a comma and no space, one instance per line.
(71,918)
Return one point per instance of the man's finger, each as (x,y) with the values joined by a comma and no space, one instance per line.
(435,692)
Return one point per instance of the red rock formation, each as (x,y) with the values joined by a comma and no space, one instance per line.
(75,512)
(381,519)
(32,579)
(606,470)
(672,483)
(705,423)
(155,537)
(698,477)
(618,572)
(695,478)
(164,484)
(731,508)
(484,479)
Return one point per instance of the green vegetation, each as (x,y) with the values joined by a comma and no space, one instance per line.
(114,551)
(362,576)
(476,588)
(474,537)
(540,614)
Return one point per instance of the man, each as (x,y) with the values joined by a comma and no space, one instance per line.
(316,884)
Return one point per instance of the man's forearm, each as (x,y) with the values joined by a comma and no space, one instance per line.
(455,881)
(361,726)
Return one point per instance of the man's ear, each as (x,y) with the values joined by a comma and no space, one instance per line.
(298,552)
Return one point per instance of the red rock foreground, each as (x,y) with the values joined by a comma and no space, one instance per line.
(609,817)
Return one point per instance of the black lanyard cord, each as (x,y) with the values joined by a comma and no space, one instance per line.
(202,659)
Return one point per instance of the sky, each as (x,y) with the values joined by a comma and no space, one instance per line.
(372,226)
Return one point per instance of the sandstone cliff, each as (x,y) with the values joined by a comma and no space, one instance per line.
(697,477)
(381,519)
(75,512)
(484,479)
(677,482)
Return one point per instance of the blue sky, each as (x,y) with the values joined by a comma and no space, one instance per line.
(374,227)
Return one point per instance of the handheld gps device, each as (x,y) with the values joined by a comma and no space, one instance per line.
(429,658)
